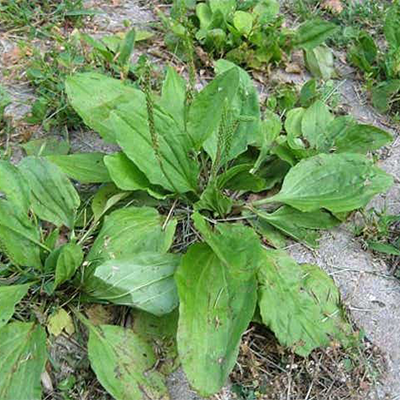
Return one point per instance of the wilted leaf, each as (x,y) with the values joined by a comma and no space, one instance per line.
(23,357)
(335,6)
(54,199)
(337,182)
(124,364)
(299,303)
(9,297)
(59,322)
(144,281)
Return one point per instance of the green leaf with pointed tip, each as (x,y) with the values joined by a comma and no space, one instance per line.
(105,198)
(172,168)
(46,147)
(360,138)
(239,177)
(206,110)
(391,26)
(94,96)
(337,182)
(124,173)
(9,297)
(130,231)
(244,103)
(54,199)
(83,167)
(225,237)
(213,199)
(145,281)
(300,225)
(173,97)
(217,303)
(243,22)
(69,260)
(19,238)
(300,304)
(293,129)
(313,33)
(125,364)
(319,61)
(314,124)
(204,14)
(383,93)
(14,186)
(384,248)
(23,357)
(126,47)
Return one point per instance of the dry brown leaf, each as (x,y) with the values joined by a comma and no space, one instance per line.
(99,315)
(12,57)
(334,6)
(293,68)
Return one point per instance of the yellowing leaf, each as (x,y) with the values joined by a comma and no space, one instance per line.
(59,322)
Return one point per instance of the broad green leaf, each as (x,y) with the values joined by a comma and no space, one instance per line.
(314,124)
(225,6)
(169,165)
(313,33)
(54,199)
(392,25)
(14,187)
(130,231)
(10,296)
(293,127)
(217,303)
(270,128)
(94,96)
(19,238)
(213,199)
(360,138)
(320,63)
(69,260)
(105,198)
(337,182)
(204,14)
(125,364)
(244,103)
(239,177)
(173,97)
(83,167)
(23,357)
(383,93)
(364,53)
(46,147)
(124,173)
(243,22)
(384,248)
(298,225)
(145,281)
(269,234)
(225,237)
(207,107)
(126,47)
(299,303)
(5,100)
(266,10)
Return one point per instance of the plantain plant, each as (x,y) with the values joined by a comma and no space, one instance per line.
(188,228)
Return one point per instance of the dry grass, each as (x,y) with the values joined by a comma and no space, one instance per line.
(267,371)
